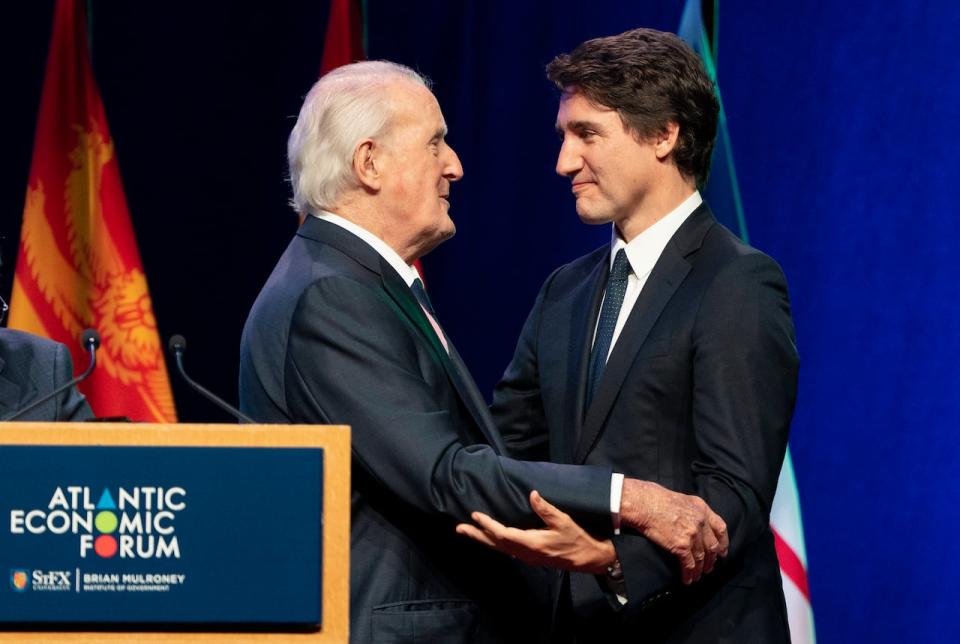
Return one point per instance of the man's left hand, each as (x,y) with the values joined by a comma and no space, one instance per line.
(562,544)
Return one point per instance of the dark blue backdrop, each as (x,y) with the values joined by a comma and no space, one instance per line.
(842,118)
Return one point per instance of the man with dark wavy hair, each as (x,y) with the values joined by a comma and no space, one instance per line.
(668,354)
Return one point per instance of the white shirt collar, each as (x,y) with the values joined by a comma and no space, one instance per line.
(645,249)
(407,272)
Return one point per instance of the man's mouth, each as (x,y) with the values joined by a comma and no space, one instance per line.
(578,186)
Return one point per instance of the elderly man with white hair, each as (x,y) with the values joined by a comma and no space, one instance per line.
(344,333)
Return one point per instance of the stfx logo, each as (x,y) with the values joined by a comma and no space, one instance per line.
(20,579)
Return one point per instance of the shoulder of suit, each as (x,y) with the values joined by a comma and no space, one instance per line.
(308,269)
(308,259)
(724,248)
(583,265)
(573,274)
(322,237)
(24,355)
(13,341)
(338,293)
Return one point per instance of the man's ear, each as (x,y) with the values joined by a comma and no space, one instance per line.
(665,142)
(366,164)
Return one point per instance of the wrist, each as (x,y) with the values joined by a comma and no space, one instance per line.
(606,558)
(634,508)
(614,571)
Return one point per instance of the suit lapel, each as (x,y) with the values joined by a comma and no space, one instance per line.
(476,403)
(10,393)
(452,363)
(13,394)
(585,302)
(400,294)
(664,280)
(403,300)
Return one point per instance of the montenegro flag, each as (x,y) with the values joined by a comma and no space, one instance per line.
(78,264)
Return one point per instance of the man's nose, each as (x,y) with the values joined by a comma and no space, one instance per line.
(569,161)
(452,169)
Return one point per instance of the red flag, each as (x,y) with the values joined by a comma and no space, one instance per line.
(78,264)
(343,43)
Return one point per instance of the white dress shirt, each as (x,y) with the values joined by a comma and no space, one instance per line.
(643,252)
(406,271)
(409,274)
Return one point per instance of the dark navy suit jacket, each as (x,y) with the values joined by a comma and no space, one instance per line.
(337,337)
(32,367)
(697,396)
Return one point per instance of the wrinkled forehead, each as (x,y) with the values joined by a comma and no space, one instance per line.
(411,103)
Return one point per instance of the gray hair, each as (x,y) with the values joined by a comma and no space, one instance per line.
(344,107)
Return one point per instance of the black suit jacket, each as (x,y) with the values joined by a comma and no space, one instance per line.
(337,337)
(697,396)
(32,367)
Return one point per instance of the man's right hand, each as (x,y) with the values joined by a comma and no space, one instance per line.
(682,524)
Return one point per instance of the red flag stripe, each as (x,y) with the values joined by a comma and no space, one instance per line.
(790,565)
(343,43)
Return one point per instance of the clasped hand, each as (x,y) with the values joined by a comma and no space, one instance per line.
(682,524)
(561,543)
(679,523)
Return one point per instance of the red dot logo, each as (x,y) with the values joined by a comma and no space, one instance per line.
(105,546)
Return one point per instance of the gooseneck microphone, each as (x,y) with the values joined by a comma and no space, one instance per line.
(178,345)
(90,340)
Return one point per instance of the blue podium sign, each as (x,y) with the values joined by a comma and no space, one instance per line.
(161,535)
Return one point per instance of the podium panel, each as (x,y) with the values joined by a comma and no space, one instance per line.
(121,532)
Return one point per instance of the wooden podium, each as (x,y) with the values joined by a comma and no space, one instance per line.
(335,441)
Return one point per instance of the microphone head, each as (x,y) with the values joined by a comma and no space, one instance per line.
(178,343)
(90,337)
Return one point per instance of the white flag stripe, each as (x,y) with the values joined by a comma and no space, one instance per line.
(799,614)
(785,519)
(785,513)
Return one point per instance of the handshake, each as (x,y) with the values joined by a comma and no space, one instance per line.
(681,524)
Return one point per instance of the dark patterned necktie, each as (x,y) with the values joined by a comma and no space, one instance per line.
(424,300)
(421,294)
(609,312)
